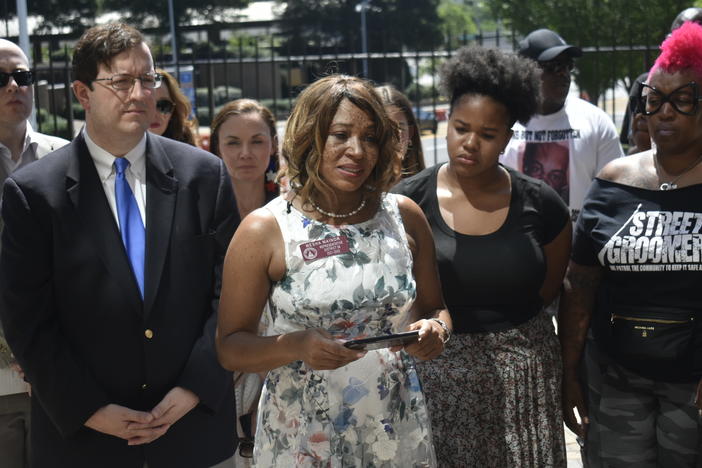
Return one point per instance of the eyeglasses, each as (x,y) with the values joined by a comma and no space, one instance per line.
(164,106)
(557,66)
(21,77)
(124,82)
(684,99)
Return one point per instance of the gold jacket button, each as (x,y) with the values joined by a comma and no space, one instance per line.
(148,333)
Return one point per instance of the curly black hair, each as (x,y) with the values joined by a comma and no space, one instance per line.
(506,77)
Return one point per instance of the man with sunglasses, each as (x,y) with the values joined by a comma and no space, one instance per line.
(19,143)
(19,146)
(109,279)
(564,122)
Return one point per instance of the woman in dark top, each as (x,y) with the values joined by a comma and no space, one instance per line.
(502,241)
(243,134)
(635,276)
(172,118)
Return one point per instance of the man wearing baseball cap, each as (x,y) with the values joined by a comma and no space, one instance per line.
(569,140)
(688,14)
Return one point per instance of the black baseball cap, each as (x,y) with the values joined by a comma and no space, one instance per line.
(543,45)
(688,14)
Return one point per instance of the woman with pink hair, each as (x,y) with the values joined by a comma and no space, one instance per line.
(634,279)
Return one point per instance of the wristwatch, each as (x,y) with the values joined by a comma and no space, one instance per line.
(447,332)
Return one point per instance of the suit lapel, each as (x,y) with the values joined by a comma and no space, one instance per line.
(161,189)
(88,197)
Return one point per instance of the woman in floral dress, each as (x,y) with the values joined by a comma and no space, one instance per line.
(336,259)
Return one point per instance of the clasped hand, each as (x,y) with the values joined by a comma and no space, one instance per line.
(142,427)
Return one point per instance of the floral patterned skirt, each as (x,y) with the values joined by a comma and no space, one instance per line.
(495,398)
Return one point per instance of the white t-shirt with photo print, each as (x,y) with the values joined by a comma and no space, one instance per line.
(566,149)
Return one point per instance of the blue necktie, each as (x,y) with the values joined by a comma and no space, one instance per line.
(130,224)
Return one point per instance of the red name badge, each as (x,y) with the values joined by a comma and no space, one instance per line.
(312,251)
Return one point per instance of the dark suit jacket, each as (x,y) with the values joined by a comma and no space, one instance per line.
(75,320)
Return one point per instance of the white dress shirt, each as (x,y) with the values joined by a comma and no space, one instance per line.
(27,155)
(135,173)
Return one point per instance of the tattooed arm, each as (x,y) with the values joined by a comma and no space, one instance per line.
(577,303)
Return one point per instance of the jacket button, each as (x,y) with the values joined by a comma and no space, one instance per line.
(143,386)
(148,333)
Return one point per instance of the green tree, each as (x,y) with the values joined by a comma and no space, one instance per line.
(309,25)
(598,24)
(457,17)
(462,20)
(74,14)
(80,14)
(139,12)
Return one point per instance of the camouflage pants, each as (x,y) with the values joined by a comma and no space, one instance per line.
(638,422)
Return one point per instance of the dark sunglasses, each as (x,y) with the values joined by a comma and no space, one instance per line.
(557,66)
(21,77)
(164,106)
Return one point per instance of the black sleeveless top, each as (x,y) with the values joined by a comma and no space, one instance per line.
(492,282)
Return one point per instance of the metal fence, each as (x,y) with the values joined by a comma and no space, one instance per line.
(260,68)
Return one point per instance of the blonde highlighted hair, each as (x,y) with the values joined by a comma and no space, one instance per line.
(308,128)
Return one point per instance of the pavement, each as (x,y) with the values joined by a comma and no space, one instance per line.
(434,146)
(572,450)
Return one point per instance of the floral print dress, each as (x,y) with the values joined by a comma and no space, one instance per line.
(370,413)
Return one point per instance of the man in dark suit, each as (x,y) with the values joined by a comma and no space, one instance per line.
(109,279)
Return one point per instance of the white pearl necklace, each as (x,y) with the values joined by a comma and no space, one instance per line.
(339,215)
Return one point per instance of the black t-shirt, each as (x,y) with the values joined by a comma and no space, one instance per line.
(492,282)
(649,241)
(650,245)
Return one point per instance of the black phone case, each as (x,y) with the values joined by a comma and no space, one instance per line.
(384,341)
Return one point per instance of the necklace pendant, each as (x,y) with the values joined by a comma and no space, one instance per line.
(672,184)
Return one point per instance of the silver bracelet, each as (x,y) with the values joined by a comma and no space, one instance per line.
(447,332)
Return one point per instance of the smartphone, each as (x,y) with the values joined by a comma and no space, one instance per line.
(383,341)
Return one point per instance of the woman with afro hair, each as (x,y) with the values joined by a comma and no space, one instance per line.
(634,278)
(502,241)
